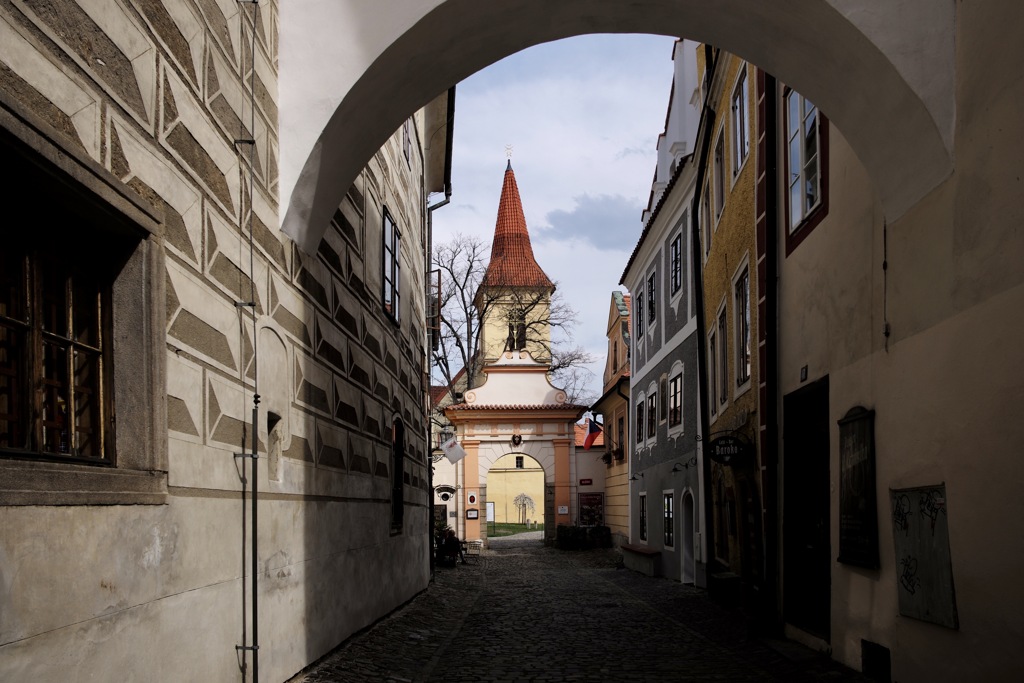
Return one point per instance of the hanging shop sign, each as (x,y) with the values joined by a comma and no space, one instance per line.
(731,449)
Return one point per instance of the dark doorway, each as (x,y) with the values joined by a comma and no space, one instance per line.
(806,545)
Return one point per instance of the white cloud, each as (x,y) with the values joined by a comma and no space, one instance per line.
(583,116)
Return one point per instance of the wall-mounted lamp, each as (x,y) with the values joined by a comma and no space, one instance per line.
(636,478)
(680,466)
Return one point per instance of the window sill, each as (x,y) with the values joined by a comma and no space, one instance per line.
(28,482)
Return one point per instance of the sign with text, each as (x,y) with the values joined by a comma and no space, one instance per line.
(586,482)
(730,449)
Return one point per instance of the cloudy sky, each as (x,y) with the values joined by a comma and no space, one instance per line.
(582,116)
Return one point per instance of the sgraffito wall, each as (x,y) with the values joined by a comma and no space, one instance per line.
(171,105)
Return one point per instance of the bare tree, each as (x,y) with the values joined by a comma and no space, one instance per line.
(523,502)
(533,319)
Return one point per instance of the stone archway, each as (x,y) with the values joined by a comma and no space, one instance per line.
(383,66)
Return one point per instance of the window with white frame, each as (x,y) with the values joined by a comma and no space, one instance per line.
(652,414)
(741,309)
(719,168)
(713,371)
(802,157)
(740,122)
(639,315)
(642,507)
(705,219)
(392,250)
(640,424)
(670,526)
(675,263)
(675,400)
(652,298)
(723,358)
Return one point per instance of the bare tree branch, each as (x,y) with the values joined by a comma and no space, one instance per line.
(533,315)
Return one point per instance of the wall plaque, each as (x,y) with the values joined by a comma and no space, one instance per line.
(858,501)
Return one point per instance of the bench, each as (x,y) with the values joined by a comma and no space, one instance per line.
(642,559)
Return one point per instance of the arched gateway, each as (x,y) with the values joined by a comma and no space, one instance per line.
(884,73)
(513,407)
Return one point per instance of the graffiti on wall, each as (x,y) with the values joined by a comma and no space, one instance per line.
(925,571)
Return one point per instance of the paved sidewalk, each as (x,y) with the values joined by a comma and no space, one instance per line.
(529,613)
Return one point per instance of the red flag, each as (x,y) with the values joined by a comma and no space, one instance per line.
(592,431)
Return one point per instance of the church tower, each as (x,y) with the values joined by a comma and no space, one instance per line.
(514,297)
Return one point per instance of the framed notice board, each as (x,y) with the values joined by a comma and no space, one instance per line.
(858,501)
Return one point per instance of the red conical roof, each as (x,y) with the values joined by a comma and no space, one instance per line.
(512,262)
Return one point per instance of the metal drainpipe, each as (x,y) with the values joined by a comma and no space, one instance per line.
(449,142)
(708,121)
(771,607)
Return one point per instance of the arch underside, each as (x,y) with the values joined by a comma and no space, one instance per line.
(879,73)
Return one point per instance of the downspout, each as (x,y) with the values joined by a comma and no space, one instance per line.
(772,607)
(707,121)
(448,144)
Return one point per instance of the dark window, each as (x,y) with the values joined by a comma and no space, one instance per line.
(713,372)
(397,475)
(519,462)
(742,312)
(740,123)
(669,521)
(705,218)
(652,414)
(662,405)
(516,340)
(640,423)
(719,175)
(676,264)
(675,401)
(622,432)
(652,299)
(723,359)
(392,267)
(643,517)
(640,315)
(55,375)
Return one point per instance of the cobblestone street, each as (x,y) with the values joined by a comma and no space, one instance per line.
(524,612)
